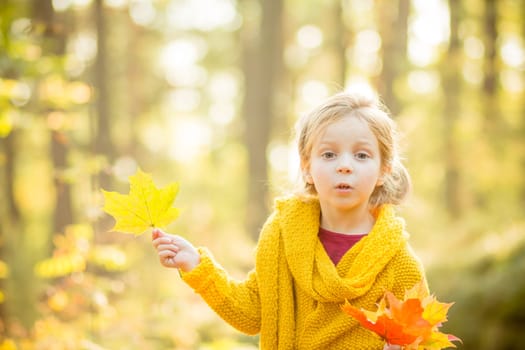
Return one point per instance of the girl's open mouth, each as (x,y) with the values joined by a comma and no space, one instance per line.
(343,186)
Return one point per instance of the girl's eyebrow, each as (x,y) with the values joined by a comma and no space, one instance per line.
(323,142)
(326,142)
(364,143)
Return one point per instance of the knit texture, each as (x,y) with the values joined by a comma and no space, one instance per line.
(293,295)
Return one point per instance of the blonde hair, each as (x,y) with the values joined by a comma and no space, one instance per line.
(396,180)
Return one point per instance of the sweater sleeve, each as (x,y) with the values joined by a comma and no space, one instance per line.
(237,302)
(407,271)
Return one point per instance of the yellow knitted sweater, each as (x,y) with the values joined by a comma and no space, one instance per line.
(293,295)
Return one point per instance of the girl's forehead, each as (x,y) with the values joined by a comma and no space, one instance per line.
(347,125)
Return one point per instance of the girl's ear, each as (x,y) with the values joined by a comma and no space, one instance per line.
(308,178)
(306,175)
(386,170)
(305,170)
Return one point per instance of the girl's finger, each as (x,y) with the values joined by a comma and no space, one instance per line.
(167,254)
(163,240)
(170,247)
(156,234)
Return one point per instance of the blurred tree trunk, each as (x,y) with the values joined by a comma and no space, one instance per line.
(451,82)
(55,43)
(393,29)
(9,210)
(10,213)
(339,42)
(262,61)
(521,132)
(491,113)
(133,89)
(102,143)
(20,289)
(490,81)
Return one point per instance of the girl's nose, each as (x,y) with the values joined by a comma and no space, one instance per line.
(344,169)
(345,164)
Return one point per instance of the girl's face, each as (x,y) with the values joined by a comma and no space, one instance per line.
(345,165)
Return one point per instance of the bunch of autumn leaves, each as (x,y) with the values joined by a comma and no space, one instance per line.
(412,323)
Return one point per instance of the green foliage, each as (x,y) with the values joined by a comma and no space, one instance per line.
(75,253)
(489,295)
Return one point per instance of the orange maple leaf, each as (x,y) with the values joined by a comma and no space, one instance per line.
(412,322)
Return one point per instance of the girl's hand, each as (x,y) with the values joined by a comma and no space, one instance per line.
(391,347)
(175,251)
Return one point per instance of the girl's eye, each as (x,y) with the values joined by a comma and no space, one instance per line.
(328,155)
(362,155)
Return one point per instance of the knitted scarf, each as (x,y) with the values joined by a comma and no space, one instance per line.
(295,255)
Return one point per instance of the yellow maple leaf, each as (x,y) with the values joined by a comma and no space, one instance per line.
(435,312)
(419,291)
(438,341)
(144,207)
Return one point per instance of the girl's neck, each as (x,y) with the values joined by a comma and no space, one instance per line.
(357,221)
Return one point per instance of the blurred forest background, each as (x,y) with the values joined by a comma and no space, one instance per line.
(206,93)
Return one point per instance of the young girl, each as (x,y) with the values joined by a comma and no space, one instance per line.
(339,239)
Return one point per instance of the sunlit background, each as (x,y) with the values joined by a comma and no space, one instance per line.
(206,93)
